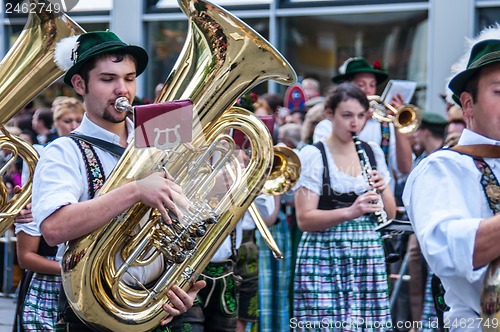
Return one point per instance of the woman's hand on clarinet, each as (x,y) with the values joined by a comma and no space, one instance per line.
(377,181)
(365,203)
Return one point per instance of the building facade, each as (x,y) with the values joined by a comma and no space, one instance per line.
(416,40)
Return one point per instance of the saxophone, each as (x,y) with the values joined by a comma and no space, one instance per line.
(390,254)
(222,59)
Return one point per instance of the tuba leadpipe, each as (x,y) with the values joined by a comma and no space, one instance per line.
(213,71)
(26,70)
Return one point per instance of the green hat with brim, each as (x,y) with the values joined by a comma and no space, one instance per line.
(91,44)
(358,65)
(433,121)
(482,54)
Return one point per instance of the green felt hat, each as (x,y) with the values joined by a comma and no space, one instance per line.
(433,121)
(482,54)
(74,52)
(433,118)
(358,65)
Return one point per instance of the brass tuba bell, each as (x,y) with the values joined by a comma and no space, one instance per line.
(284,175)
(222,59)
(406,118)
(25,71)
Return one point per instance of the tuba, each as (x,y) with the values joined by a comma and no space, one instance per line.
(222,59)
(406,118)
(25,71)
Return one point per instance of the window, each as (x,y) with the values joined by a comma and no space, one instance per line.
(165,42)
(223,3)
(318,45)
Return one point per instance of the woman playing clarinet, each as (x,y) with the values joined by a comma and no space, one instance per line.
(341,280)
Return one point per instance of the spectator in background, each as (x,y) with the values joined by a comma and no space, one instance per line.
(289,135)
(314,116)
(296,116)
(42,124)
(67,114)
(312,89)
(456,124)
(269,104)
(24,123)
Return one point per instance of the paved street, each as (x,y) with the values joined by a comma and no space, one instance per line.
(7,309)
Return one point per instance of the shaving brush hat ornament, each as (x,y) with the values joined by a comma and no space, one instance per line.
(72,53)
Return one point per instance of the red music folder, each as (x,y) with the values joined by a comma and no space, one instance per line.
(163,125)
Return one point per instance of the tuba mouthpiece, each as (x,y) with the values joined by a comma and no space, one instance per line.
(122,105)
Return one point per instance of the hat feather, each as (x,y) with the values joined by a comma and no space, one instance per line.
(343,67)
(63,51)
(490,32)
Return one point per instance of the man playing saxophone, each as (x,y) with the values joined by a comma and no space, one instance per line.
(101,68)
(452,195)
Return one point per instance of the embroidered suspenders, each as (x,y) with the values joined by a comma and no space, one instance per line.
(93,166)
(489,182)
(386,137)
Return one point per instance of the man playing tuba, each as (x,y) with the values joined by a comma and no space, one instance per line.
(100,67)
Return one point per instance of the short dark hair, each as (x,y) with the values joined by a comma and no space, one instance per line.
(117,56)
(437,130)
(45,115)
(343,92)
(472,84)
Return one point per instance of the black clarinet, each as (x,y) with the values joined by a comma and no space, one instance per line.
(391,256)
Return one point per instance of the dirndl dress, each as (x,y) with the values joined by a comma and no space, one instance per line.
(340,277)
(429,314)
(38,298)
(40,306)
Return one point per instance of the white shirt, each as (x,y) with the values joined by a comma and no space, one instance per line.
(372,132)
(30,228)
(64,179)
(311,175)
(446,202)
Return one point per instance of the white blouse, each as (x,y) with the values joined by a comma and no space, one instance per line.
(311,176)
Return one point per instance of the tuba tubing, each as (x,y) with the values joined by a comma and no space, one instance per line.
(213,70)
(26,70)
